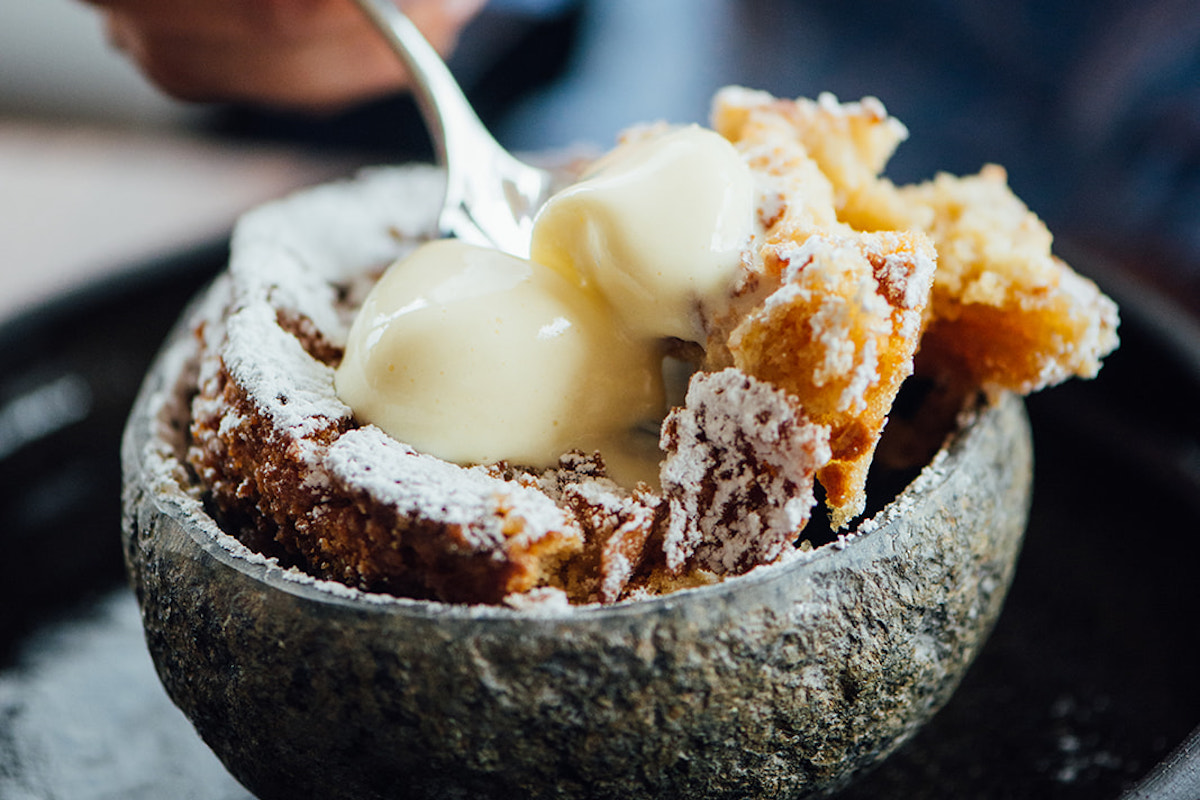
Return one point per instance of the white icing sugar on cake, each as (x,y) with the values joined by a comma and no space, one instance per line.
(295,390)
(489,512)
(738,473)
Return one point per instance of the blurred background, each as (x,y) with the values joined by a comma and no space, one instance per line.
(98,171)
(1094,110)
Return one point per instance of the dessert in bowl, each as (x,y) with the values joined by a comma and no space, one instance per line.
(342,611)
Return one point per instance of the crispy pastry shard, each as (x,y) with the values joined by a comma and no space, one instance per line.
(839,336)
(1005,313)
(848,143)
(828,314)
(851,142)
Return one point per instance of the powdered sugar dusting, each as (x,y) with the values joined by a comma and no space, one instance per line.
(623,521)
(419,485)
(543,601)
(340,228)
(739,473)
(276,277)
(849,316)
(286,383)
(296,253)
(904,266)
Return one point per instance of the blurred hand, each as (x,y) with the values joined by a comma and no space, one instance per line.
(312,54)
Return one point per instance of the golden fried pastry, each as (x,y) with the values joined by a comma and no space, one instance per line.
(839,336)
(1005,313)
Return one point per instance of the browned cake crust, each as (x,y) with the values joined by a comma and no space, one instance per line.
(264,475)
(353,506)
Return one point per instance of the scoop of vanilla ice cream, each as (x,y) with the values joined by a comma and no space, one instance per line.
(657,226)
(476,356)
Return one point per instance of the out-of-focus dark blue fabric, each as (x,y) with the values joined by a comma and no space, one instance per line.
(1093,107)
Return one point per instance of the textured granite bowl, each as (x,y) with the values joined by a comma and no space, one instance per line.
(781,683)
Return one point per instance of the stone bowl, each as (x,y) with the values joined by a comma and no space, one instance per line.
(785,682)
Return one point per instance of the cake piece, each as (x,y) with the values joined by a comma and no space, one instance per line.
(738,476)
(288,467)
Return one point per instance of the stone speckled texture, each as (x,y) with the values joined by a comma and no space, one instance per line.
(782,683)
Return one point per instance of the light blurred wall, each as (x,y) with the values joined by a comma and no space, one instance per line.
(55,62)
(98,171)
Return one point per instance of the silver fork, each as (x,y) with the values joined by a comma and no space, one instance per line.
(491,197)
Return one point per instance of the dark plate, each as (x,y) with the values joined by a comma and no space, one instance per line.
(1088,682)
